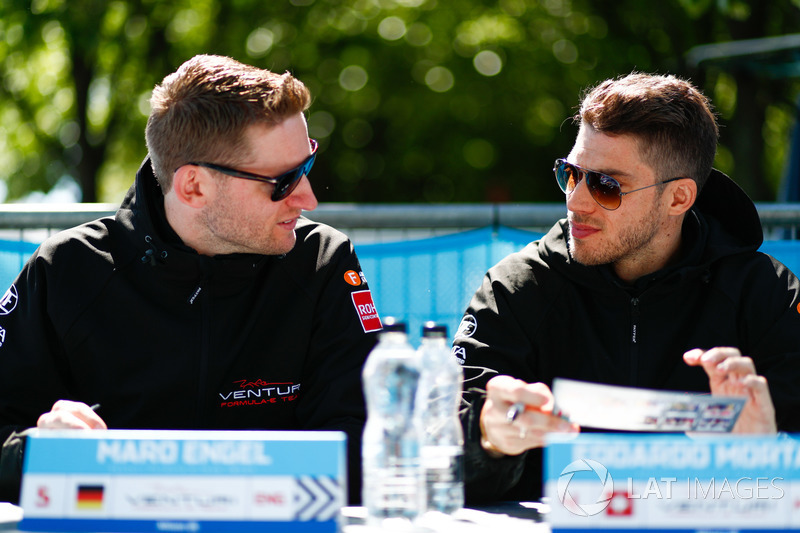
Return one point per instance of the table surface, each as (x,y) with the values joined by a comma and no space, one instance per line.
(10,515)
(508,517)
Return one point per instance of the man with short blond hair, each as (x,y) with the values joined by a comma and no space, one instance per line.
(208,301)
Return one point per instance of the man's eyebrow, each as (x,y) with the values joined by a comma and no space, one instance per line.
(613,172)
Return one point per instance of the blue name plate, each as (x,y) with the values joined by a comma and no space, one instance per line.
(618,482)
(214,481)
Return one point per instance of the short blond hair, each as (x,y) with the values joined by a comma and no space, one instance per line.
(201,111)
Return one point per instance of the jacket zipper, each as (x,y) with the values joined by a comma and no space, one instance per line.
(634,340)
(205,347)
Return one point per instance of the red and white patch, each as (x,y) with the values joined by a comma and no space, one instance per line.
(621,504)
(362,301)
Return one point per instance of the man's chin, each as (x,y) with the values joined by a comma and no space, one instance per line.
(287,245)
(582,256)
(277,247)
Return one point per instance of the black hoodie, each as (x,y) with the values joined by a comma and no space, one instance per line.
(119,312)
(540,315)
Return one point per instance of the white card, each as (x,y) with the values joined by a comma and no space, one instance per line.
(631,409)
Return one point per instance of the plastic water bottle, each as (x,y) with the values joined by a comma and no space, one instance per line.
(443,438)
(393,491)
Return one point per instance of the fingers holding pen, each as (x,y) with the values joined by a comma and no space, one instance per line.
(67,414)
(517,416)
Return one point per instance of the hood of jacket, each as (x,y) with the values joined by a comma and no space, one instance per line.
(154,242)
(723,221)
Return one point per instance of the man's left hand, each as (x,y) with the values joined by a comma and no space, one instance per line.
(732,374)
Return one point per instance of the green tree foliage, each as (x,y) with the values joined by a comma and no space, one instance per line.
(415,100)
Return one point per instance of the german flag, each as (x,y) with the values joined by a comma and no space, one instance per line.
(90,497)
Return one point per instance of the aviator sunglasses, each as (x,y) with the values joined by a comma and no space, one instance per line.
(605,190)
(284,184)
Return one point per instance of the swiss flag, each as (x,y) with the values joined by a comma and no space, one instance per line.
(621,504)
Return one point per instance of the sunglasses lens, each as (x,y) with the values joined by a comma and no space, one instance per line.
(288,182)
(285,187)
(604,189)
(567,176)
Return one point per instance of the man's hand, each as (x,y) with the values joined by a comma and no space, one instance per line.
(732,374)
(70,415)
(505,433)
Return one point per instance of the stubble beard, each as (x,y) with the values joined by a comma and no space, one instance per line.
(231,234)
(632,240)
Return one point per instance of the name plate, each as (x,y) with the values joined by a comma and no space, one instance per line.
(197,481)
(626,482)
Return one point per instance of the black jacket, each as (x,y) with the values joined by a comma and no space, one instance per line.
(119,312)
(540,315)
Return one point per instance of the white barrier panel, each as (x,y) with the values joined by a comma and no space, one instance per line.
(122,480)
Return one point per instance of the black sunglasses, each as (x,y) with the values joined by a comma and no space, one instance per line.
(605,190)
(285,184)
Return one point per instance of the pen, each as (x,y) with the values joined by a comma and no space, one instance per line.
(518,408)
(95,407)
(514,411)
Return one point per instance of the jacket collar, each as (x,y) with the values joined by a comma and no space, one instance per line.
(732,215)
(142,214)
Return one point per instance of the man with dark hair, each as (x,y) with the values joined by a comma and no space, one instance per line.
(653,280)
(208,301)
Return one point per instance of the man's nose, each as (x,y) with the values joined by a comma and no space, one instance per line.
(580,199)
(303,196)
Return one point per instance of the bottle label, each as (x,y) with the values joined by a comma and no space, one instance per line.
(439,456)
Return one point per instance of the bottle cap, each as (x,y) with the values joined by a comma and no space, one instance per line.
(432,329)
(391,324)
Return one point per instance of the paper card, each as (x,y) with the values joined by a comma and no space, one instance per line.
(631,409)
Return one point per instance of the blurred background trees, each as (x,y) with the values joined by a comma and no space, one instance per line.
(415,100)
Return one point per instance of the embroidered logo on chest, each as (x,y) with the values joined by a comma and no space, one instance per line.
(244,393)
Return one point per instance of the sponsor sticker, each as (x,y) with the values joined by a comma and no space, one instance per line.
(467,327)
(362,301)
(9,301)
(352,277)
(460,353)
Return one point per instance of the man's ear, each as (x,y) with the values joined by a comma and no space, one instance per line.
(190,185)
(683,195)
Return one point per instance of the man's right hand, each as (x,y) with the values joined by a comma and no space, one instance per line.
(503,436)
(70,415)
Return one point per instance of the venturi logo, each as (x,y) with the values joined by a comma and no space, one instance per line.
(605,486)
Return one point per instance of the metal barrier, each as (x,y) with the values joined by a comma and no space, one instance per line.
(367,223)
(421,262)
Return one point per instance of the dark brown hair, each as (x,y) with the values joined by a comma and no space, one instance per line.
(673,122)
(202,110)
